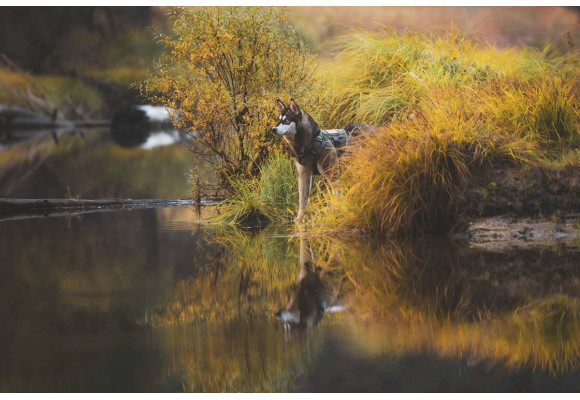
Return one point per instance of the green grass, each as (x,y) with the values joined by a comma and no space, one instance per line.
(44,93)
(271,197)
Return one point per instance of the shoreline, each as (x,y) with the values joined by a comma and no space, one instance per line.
(11,209)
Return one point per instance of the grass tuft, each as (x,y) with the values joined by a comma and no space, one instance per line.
(447,107)
(270,197)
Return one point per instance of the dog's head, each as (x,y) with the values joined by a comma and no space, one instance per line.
(289,120)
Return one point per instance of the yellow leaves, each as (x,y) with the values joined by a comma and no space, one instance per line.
(223,68)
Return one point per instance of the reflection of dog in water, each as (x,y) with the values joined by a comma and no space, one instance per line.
(314,296)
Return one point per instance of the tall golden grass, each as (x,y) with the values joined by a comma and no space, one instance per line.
(503,26)
(447,107)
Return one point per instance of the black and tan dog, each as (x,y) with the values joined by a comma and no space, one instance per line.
(315,150)
(317,291)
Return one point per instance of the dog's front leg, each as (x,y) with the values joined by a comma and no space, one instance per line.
(304,186)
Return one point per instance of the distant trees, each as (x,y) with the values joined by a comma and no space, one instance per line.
(50,39)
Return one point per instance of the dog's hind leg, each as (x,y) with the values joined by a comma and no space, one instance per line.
(304,185)
(328,167)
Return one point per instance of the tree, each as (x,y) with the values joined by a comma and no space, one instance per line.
(222,70)
(64,39)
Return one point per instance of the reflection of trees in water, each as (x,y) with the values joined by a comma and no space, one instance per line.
(94,167)
(431,295)
(72,288)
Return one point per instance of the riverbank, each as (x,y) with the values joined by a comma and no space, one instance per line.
(464,129)
(522,207)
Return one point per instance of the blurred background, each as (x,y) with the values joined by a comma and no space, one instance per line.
(85,64)
(84,60)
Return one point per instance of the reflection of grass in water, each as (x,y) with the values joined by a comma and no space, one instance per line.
(404,280)
(544,335)
(405,297)
(239,357)
(232,342)
(427,302)
(250,276)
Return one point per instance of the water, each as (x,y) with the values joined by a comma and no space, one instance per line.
(155,300)
(89,164)
(152,300)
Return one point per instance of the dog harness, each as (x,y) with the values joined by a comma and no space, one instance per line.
(337,137)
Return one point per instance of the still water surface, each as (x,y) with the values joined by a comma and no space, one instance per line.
(152,300)
(156,300)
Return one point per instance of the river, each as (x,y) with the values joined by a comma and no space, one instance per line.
(160,300)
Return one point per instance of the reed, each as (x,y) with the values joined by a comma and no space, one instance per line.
(447,107)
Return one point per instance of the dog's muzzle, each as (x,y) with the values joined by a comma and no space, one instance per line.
(275,131)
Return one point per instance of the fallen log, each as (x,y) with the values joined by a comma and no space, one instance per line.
(16,207)
(13,116)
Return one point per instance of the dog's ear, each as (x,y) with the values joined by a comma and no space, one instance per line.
(294,107)
(281,106)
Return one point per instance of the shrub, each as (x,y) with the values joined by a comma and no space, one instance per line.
(222,70)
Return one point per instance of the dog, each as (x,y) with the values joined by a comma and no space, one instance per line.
(315,151)
(306,309)
(315,294)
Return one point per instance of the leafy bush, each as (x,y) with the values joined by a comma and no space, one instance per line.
(222,70)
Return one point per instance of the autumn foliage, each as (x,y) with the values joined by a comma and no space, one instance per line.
(222,70)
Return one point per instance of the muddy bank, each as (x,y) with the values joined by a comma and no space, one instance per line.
(514,207)
(518,192)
